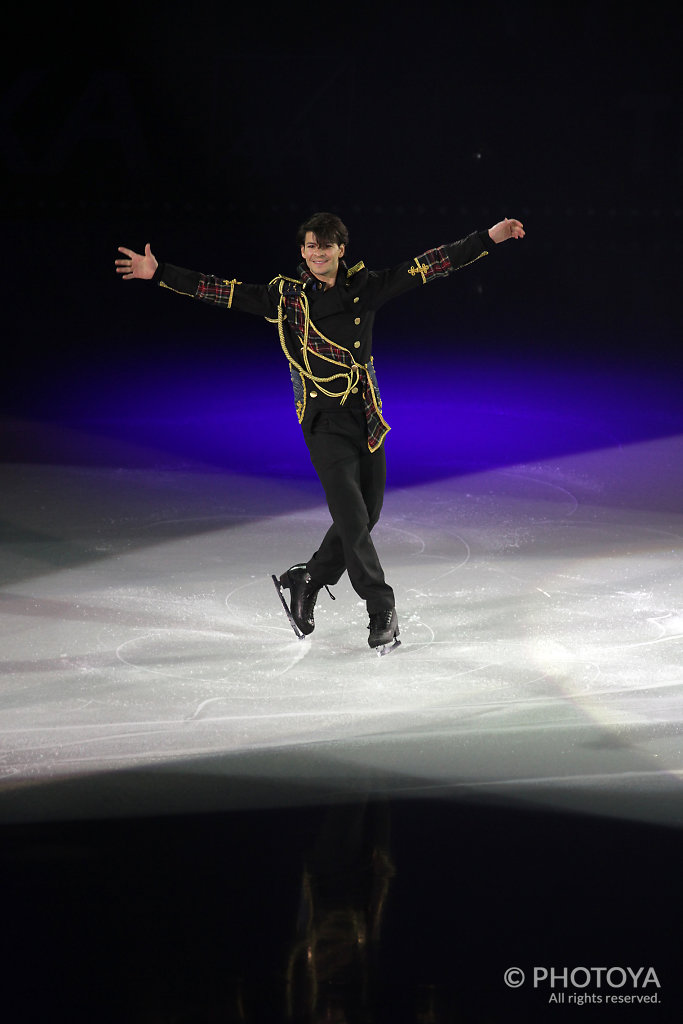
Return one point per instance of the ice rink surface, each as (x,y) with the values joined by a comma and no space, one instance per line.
(148,667)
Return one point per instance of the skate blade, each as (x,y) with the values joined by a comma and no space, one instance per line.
(278,587)
(387,648)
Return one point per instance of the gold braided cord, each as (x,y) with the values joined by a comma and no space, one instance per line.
(232,291)
(484,253)
(419,268)
(351,377)
(162,284)
(283,277)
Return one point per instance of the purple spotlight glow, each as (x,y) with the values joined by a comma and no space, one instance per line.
(472,415)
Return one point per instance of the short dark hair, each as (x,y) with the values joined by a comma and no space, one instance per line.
(327,228)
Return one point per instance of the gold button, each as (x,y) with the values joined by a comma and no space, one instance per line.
(356,344)
(354,391)
(314,394)
(356,299)
(357,321)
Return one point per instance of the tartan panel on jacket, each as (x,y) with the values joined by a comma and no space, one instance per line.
(216,290)
(433,263)
(377,428)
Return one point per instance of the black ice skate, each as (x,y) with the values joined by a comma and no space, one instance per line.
(304,593)
(384,631)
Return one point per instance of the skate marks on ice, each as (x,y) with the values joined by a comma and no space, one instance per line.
(541,624)
(499,586)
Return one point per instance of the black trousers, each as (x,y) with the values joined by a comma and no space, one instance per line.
(354,480)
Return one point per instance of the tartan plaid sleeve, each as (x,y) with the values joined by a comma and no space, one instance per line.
(430,265)
(250,298)
(433,263)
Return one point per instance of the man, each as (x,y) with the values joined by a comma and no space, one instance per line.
(324,318)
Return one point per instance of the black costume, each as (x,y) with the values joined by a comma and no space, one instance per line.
(326,335)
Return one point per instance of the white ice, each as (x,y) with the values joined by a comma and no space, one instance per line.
(148,666)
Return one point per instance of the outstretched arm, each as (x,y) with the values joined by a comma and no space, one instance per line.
(136,265)
(505,229)
(440,262)
(261,300)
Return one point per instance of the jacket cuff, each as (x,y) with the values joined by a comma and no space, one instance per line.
(177,279)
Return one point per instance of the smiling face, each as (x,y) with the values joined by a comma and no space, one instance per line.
(322,258)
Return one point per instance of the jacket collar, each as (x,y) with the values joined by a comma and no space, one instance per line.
(331,300)
(312,283)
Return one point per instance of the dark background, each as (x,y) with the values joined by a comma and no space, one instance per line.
(212,131)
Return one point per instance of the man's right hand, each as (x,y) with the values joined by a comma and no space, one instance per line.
(136,265)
